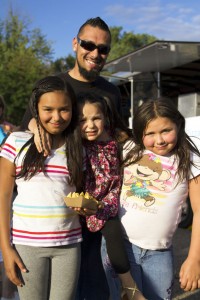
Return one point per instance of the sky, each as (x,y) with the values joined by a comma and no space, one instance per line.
(59,20)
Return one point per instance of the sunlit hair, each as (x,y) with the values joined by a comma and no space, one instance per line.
(95,22)
(163,108)
(33,161)
(114,123)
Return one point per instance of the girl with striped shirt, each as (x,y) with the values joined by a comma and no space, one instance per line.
(43,257)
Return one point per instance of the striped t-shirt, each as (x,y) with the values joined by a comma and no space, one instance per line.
(40,216)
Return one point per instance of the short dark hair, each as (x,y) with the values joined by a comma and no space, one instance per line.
(95,22)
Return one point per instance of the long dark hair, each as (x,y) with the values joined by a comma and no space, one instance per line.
(114,123)
(164,108)
(33,161)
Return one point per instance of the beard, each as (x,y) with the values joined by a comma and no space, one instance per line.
(89,75)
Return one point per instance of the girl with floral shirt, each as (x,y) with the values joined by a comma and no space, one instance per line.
(102,133)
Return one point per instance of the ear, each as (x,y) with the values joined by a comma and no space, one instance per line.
(74,44)
(165,175)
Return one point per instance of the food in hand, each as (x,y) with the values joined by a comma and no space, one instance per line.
(81,200)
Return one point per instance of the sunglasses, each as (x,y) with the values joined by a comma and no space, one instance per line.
(90,46)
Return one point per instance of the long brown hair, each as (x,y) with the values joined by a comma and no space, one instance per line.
(164,108)
(114,123)
(33,161)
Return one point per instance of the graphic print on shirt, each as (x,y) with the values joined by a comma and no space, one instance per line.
(145,178)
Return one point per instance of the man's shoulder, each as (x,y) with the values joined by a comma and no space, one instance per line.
(108,87)
(102,80)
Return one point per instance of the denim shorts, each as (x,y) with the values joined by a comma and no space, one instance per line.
(152,270)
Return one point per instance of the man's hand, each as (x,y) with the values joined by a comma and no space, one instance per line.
(43,140)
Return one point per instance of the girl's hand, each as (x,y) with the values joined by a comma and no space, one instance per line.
(13,264)
(84,211)
(189,276)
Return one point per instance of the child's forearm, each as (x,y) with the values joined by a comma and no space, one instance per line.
(194,250)
(190,269)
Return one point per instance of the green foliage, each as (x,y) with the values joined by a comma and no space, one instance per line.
(25,57)
(63,64)
(126,42)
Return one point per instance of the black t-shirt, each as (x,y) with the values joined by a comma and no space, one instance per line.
(100,85)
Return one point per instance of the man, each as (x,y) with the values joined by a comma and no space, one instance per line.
(92,46)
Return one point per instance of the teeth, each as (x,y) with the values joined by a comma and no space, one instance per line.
(93,63)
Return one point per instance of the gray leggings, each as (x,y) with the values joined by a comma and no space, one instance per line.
(52,272)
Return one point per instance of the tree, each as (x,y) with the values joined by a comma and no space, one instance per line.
(63,64)
(25,57)
(126,42)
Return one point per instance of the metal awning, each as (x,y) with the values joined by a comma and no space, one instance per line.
(156,57)
(177,62)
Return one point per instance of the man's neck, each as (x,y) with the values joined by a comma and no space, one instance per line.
(74,73)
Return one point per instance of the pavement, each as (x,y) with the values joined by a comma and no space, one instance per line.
(181,244)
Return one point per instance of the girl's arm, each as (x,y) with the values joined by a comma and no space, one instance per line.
(10,256)
(190,269)
(109,206)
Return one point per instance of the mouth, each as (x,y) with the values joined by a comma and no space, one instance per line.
(161,147)
(91,133)
(55,124)
(140,174)
(93,63)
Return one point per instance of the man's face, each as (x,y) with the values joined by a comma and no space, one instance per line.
(91,62)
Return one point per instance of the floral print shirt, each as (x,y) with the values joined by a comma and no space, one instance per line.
(102,180)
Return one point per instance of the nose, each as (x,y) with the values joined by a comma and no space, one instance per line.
(160,140)
(95,53)
(90,124)
(56,116)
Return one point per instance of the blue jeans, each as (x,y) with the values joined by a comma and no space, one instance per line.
(151,269)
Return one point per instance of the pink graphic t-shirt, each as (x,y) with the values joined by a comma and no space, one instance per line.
(151,200)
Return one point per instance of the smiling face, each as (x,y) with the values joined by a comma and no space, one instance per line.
(160,136)
(55,111)
(92,122)
(90,63)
